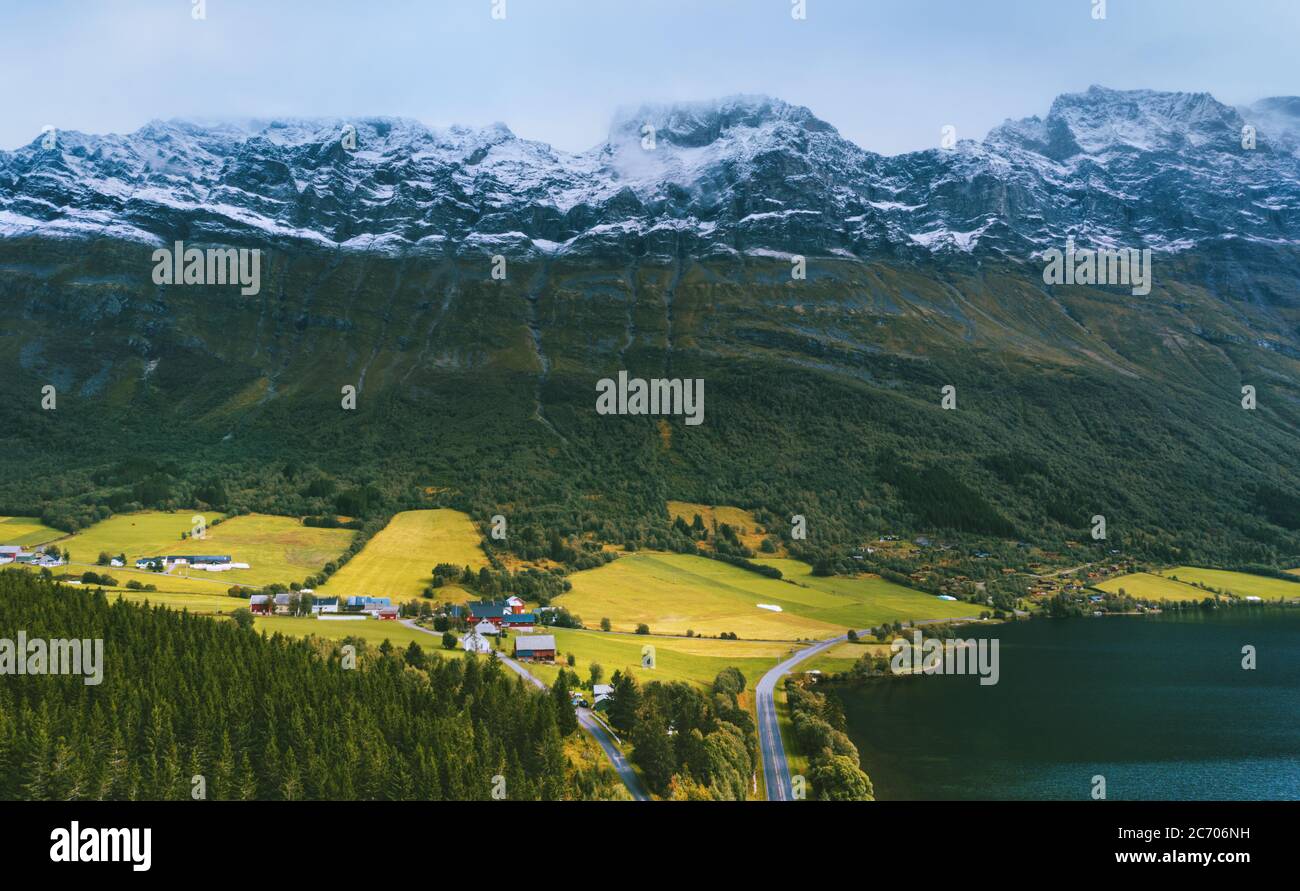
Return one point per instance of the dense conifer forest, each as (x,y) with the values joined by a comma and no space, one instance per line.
(264,717)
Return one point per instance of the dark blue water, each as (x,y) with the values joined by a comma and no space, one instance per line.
(1158,705)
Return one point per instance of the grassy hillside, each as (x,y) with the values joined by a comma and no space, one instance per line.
(1150,586)
(398,561)
(141,534)
(27,532)
(1239,583)
(277,549)
(676,593)
(1180,583)
(675,659)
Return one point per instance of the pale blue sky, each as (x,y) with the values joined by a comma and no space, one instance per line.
(888,73)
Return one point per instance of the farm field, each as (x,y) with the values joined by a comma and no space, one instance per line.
(399,561)
(195,603)
(166,584)
(1240,583)
(673,593)
(842,656)
(692,660)
(373,631)
(278,549)
(868,599)
(142,534)
(1150,586)
(27,532)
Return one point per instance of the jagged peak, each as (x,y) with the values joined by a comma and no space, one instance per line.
(698,123)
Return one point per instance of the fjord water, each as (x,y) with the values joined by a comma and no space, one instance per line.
(1158,705)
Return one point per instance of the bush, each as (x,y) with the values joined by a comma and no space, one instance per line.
(643,628)
(448,640)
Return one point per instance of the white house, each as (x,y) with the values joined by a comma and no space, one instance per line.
(486,628)
(600,692)
(473,642)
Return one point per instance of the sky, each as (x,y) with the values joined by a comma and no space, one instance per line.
(888,74)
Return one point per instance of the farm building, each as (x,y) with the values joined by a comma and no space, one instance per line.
(516,605)
(475,643)
(535,648)
(260,604)
(493,611)
(388,613)
(487,628)
(600,693)
(519,621)
(324,605)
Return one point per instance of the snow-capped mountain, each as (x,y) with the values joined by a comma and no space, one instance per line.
(744,174)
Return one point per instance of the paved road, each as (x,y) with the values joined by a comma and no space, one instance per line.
(776,771)
(585,719)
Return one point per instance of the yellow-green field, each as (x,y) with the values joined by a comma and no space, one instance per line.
(399,561)
(143,534)
(373,631)
(842,656)
(195,603)
(693,660)
(1166,587)
(1240,583)
(278,549)
(1148,586)
(27,532)
(673,593)
(164,582)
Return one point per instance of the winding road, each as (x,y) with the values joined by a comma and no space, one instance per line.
(776,770)
(586,719)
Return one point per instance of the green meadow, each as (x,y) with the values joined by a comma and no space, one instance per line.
(1149,586)
(1240,583)
(277,549)
(141,534)
(674,593)
(398,562)
(27,532)
(1179,583)
(692,660)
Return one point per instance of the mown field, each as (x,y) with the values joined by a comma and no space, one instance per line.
(142,534)
(1240,583)
(373,631)
(1180,583)
(693,660)
(1149,586)
(399,561)
(27,532)
(278,549)
(674,593)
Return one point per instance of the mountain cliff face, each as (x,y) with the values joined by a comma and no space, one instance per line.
(741,175)
(669,257)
